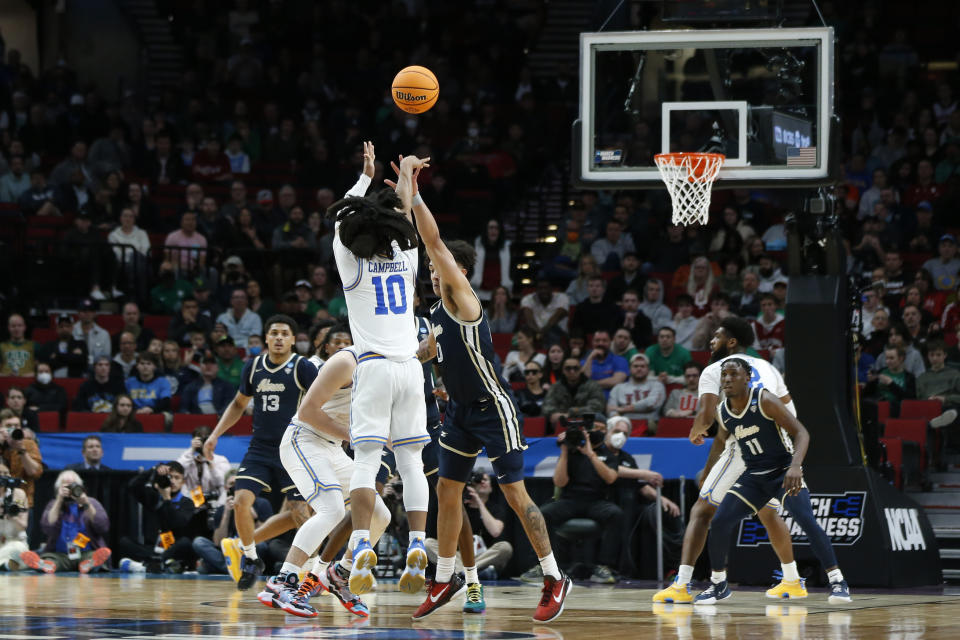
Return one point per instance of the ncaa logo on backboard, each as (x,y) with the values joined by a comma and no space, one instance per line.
(840,515)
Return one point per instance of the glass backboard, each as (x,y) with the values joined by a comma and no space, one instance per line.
(762,97)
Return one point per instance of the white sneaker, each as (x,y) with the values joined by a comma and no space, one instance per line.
(96,294)
(944,419)
(132,566)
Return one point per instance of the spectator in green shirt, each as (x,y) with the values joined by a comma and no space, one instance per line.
(165,298)
(893,383)
(622,344)
(667,358)
(230,366)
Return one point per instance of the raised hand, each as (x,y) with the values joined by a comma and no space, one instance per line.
(368,159)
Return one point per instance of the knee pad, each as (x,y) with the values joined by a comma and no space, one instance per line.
(329,511)
(416,492)
(380,520)
(366,465)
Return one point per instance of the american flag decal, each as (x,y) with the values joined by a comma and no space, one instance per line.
(801,156)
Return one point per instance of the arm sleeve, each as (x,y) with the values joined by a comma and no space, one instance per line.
(360,188)
(620,366)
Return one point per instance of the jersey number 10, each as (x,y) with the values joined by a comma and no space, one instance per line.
(396,295)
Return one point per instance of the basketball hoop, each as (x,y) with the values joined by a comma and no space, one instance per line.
(689,178)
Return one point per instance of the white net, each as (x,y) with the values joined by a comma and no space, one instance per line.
(689,178)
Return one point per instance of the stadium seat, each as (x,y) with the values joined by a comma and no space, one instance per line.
(501,344)
(925,409)
(187,422)
(700,357)
(883,411)
(894,447)
(244,426)
(909,430)
(674,427)
(517,386)
(82,421)
(43,335)
(48,421)
(534,427)
(639,428)
(70,385)
(13,381)
(157,324)
(152,422)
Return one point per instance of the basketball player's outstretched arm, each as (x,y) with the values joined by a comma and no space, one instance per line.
(455,290)
(706,412)
(773,407)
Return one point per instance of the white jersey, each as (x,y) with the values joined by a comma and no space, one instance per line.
(764,375)
(379,294)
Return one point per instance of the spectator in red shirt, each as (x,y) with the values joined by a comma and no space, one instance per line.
(211,164)
(924,188)
(769,327)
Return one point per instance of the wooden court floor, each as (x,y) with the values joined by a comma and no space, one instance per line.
(69,606)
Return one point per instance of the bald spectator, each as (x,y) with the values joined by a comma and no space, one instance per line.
(653,307)
(126,358)
(17,355)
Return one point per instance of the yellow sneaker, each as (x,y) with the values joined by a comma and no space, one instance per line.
(674,594)
(788,590)
(232,554)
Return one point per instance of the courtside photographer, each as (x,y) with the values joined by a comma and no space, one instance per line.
(14,514)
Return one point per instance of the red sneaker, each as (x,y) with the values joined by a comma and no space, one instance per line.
(95,561)
(33,560)
(552,599)
(440,594)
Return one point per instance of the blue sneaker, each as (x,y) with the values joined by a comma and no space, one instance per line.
(414,574)
(250,570)
(364,560)
(839,592)
(474,602)
(714,593)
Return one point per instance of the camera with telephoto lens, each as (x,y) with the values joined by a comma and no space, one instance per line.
(75,489)
(576,427)
(162,481)
(16,433)
(8,507)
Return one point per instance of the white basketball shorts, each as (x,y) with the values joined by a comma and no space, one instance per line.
(315,463)
(387,402)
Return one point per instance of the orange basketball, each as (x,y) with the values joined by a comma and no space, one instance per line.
(415,89)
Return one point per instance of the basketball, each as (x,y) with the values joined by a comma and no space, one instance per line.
(415,89)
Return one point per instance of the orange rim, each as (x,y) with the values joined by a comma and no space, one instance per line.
(697,168)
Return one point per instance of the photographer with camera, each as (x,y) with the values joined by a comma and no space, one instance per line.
(222,525)
(75,525)
(200,472)
(583,474)
(168,521)
(21,455)
(572,396)
(14,515)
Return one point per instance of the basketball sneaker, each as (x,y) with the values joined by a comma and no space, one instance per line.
(413,576)
(99,557)
(33,560)
(839,592)
(250,570)
(336,580)
(674,594)
(312,584)
(440,594)
(293,599)
(364,560)
(475,602)
(552,598)
(273,588)
(230,547)
(713,594)
(788,590)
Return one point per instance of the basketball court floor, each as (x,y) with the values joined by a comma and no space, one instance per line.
(70,606)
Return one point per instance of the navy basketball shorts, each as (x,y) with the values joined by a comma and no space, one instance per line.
(756,488)
(388,466)
(262,471)
(484,424)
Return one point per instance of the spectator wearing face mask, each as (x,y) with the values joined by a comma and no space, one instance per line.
(45,395)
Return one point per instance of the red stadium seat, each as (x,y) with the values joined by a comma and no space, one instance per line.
(187,422)
(152,422)
(81,421)
(534,427)
(157,324)
(883,411)
(894,448)
(700,357)
(49,421)
(244,426)
(517,386)
(674,427)
(639,428)
(925,409)
(909,430)
(70,385)
(501,344)
(43,335)
(13,381)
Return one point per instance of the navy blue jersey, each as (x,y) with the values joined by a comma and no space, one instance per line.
(277,391)
(465,357)
(433,411)
(764,445)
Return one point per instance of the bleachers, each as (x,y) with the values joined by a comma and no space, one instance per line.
(674,427)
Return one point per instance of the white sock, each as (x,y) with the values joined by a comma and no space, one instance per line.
(716,577)
(444,569)
(319,567)
(250,550)
(346,563)
(417,534)
(549,566)
(357,536)
(684,575)
(835,575)
(471,573)
(289,567)
(790,572)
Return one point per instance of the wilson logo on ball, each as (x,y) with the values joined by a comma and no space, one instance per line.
(410,96)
